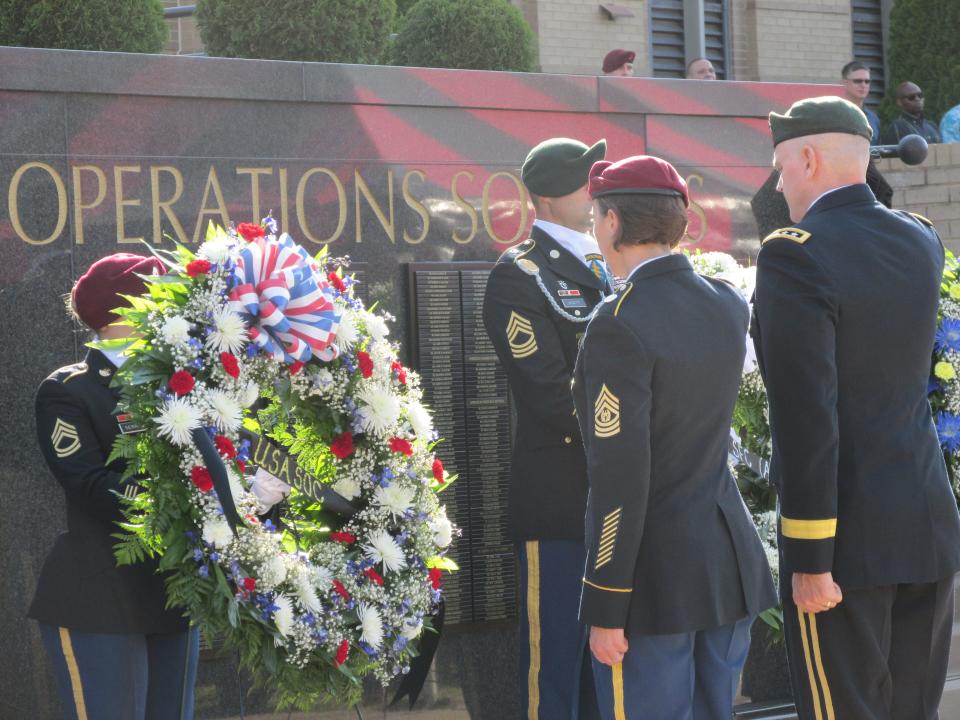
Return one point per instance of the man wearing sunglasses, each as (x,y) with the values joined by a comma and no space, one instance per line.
(856,85)
(911,119)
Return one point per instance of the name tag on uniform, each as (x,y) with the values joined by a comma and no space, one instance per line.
(575,302)
(127,424)
(568,293)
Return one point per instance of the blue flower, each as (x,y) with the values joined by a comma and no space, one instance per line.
(948,429)
(948,335)
(933,385)
(369,650)
(203,571)
(197,555)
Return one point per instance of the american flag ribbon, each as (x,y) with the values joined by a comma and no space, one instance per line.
(286,300)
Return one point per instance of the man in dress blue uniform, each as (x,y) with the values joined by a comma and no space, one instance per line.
(538,299)
(675,570)
(845,315)
(117,652)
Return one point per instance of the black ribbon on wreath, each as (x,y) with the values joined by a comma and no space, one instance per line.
(412,683)
(218,473)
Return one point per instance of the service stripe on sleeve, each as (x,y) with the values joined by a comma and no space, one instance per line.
(808,529)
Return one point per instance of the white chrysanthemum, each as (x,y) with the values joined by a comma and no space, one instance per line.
(283,617)
(322,378)
(376,326)
(371,625)
(411,630)
(322,576)
(347,331)
(216,251)
(420,420)
(394,498)
(273,571)
(250,394)
(229,333)
(441,528)
(347,486)
(175,331)
(382,548)
(227,413)
(307,591)
(176,419)
(380,410)
(236,486)
(217,532)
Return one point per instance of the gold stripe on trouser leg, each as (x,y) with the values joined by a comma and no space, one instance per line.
(67,646)
(815,694)
(619,713)
(827,700)
(533,620)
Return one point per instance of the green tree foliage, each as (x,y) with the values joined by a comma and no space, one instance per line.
(121,25)
(925,49)
(468,34)
(348,31)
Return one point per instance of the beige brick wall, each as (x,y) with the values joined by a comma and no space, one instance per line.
(184,34)
(931,189)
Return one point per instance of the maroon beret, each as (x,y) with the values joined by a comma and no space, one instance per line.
(97,291)
(637,175)
(616,58)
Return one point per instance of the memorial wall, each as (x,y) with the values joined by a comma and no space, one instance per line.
(412,173)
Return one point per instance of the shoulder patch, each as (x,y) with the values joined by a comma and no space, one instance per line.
(921,218)
(790,233)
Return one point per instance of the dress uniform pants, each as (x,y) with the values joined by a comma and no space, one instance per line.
(555,678)
(881,654)
(686,676)
(123,677)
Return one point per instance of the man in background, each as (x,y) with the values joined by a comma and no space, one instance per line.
(701,69)
(855,77)
(911,120)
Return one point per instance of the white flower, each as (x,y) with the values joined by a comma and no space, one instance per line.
(175,330)
(750,358)
(347,331)
(216,251)
(227,413)
(394,498)
(307,591)
(347,486)
(273,571)
(236,487)
(283,617)
(420,420)
(229,331)
(250,394)
(371,625)
(380,410)
(176,419)
(442,529)
(412,629)
(217,532)
(382,548)
(322,378)
(376,326)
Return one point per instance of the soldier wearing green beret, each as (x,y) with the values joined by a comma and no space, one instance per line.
(538,299)
(845,313)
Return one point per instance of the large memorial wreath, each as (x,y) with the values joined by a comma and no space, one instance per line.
(252,354)
(750,455)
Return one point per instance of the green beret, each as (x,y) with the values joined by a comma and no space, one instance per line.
(813,116)
(559,166)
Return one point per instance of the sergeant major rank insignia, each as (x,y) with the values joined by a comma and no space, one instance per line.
(65,439)
(522,341)
(606,414)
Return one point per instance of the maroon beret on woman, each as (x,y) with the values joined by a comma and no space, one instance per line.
(97,293)
(637,175)
(616,58)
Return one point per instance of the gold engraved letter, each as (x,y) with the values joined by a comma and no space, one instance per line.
(159,205)
(78,206)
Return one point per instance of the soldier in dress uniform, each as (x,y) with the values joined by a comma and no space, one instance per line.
(117,653)
(538,299)
(845,315)
(675,571)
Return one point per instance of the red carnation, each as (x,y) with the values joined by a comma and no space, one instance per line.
(341,590)
(295,367)
(181,382)
(198,267)
(435,574)
(400,371)
(373,575)
(336,281)
(230,364)
(225,447)
(249,584)
(344,537)
(250,231)
(342,446)
(399,445)
(242,465)
(200,477)
(342,651)
(365,363)
(438,470)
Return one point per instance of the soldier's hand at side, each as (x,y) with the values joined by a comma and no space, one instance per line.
(608,645)
(815,593)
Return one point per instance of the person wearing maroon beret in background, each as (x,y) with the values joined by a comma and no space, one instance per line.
(675,571)
(619,63)
(117,652)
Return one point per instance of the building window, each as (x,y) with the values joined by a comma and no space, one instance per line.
(669,47)
(867,26)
